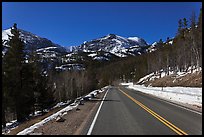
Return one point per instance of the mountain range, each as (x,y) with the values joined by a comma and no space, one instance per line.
(100,49)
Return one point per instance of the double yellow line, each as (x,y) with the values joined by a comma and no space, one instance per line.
(160,118)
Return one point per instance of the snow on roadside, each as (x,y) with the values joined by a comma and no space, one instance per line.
(14,124)
(41,123)
(10,126)
(186,95)
(61,104)
(61,113)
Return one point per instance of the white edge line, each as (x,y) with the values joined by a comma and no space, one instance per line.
(181,106)
(172,103)
(94,121)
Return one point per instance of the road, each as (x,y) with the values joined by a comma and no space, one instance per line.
(129,112)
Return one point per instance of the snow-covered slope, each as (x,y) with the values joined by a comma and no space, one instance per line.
(32,41)
(111,45)
(49,53)
(117,45)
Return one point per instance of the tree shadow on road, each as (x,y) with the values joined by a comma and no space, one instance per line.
(104,100)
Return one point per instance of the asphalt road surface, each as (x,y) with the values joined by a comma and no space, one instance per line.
(128,112)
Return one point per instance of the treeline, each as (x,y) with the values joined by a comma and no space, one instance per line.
(183,53)
(68,85)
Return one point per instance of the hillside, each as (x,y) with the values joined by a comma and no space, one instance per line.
(184,79)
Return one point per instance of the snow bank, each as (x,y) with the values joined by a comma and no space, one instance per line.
(187,95)
(10,126)
(61,104)
(41,123)
(61,112)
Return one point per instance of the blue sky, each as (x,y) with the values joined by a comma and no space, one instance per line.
(72,23)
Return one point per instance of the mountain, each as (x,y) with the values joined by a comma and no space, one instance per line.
(50,53)
(102,48)
(33,41)
(70,48)
(106,48)
(114,44)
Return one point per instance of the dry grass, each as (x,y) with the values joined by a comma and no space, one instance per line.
(189,80)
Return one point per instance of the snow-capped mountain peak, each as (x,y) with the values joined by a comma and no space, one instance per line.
(115,44)
(34,42)
(140,41)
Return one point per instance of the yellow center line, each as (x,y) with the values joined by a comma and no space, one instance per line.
(160,118)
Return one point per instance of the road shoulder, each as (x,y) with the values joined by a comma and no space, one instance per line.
(76,121)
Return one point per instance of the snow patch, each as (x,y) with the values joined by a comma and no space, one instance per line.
(186,95)
(45,48)
(100,58)
(92,55)
(170,42)
(5,34)
(134,39)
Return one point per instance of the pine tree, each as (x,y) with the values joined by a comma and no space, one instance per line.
(193,20)
(160,43)
(14,60)
(3,94)
(199,40)
(200,20)
(180,26)
(194,38)
(185,23)
(42,91)
(18,77)
(28,88)
(35,76)
(45,99)
(167,39)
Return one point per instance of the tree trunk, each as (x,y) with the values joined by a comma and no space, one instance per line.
(3,117)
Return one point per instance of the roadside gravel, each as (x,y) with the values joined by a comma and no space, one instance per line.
(75,120)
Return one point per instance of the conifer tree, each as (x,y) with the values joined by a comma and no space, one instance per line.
(185,23)
(14,60)
(200,20)
(45,98)
(3,94)
(193,20)
(199,40)
(180,26)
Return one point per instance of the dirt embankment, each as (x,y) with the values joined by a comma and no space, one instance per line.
(188,80)
(75,120)
(74,124)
